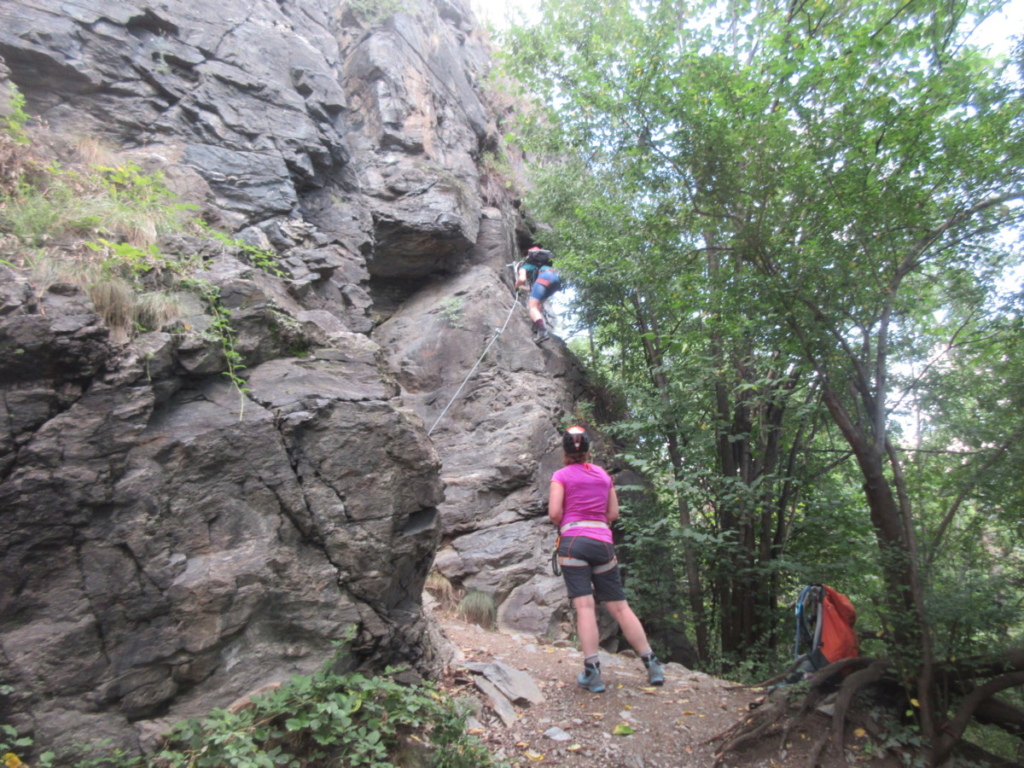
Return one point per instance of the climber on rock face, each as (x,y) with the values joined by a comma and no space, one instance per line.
(537,273)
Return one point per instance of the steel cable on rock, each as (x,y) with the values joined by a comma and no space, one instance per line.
(494,338)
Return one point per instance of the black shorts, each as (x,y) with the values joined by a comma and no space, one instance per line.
(581,580)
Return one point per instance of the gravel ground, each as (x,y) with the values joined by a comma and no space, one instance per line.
(631,724)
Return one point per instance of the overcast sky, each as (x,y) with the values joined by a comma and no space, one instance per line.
(998,30)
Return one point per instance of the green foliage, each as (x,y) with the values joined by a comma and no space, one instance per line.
(251,254)
(322,720)
(55,203)
(792,233)
(107,219)
(127,259)
(478,608)
(13,746)
(14,124)
(129,185)
(451,311)
(375,11)
(222,332)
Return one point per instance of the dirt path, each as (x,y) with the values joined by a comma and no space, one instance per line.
(670,725)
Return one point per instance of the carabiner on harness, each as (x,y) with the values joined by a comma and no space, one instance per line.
(555,567)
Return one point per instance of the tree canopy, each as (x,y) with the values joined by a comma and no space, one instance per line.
(793,235)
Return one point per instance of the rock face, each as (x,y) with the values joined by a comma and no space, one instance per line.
(169,542)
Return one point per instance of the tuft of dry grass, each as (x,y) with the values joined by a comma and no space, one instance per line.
(478,607)
(442,590)
(89,150)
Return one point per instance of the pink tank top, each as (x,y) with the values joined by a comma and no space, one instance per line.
(586,498)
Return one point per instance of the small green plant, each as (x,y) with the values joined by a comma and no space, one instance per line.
(451,311)
(14,123)
(257,257)
(127,259)
(13,746)
(221,331)
(478,607)
(129,184)
(375,11)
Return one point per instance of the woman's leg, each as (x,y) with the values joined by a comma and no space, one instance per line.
(586,624)
(628,623)
(534,308)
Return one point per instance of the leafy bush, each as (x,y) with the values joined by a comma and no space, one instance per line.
(322,720)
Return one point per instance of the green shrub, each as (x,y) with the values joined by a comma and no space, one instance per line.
(250,254)
(14,124)
(323,720)
(451,311)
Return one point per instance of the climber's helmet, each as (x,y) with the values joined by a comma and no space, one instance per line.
(575,440)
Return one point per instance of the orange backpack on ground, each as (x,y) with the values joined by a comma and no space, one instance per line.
(825,622)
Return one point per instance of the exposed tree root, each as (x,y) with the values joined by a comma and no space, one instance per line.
(954,729)
(777,704)
(752,727)
(972,688)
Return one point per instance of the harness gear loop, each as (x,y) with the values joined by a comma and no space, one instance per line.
(556,568)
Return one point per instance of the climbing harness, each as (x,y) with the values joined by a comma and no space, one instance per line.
(603,568)
(584,524)
(494,338)
(557,561)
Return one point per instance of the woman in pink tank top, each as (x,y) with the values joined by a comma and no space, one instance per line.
(583,503)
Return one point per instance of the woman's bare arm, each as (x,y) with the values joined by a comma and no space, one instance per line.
(613,505)
(556,502)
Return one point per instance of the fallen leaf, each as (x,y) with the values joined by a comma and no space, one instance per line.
(522,744)
(860,733)
(688,712)
(652,691)
(535,756)
(621,730)
(628,706)
(575,748)
(915,702)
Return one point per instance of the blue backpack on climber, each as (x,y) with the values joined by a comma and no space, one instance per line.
(538,275)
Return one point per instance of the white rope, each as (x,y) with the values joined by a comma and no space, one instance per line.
(473,370)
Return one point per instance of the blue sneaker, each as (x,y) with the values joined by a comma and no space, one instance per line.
(655,672)
(590,678)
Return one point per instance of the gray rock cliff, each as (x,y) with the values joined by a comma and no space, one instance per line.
(169,542)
